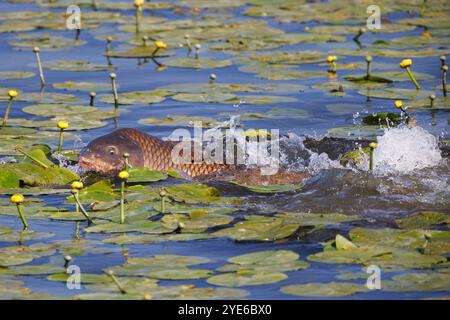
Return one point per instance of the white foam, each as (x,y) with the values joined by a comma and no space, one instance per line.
(404,150)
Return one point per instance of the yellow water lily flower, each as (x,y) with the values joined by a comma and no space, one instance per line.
(139,3)
(406,63)
(398,104)
(77,185)
(331,59)
(12,93)
(63,125)
(17,198)
(160,44)
(373,145)
(124,174)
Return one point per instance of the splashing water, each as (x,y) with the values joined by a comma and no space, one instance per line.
(404,150)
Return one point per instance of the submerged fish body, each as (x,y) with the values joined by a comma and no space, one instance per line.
(104,155)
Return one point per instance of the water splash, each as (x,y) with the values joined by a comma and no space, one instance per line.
(405,150)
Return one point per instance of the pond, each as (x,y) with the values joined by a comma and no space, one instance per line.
(298,67)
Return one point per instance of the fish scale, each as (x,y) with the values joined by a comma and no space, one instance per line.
(158,155)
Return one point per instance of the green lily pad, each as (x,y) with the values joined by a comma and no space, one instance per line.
(138,174)
(195,222)
(7,75)
(279,72)
(270,188)
(137,97)
(140,52)
(416,282)
(198,193)
(286,57)
(267,257)
(262,229)
(151,227)
(352,132)
(395,93)
(209,97)
(438,104)
(343,243)
(423,219)
(74,66)
(82,86)
(179,274)
(53,110)
(331,289)
(383,119)
(200,63)
(15,175)
(246,278)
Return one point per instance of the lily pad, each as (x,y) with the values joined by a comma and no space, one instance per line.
(201,63)
(74,66)
(246,278)
(423,219)
(331,289)
(15,75)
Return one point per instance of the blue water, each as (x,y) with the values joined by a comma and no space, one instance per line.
(133,77)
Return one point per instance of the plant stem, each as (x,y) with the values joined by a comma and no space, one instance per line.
(122,201)
(32,158)
(5,118)
(22,217)
(83,211)
(444,83)
(60,140)
(412,78)
(368,75)
(41,72)
(116,282)
(371,159)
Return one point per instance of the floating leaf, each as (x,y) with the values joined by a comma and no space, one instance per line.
(331,289)
(200,63)
(246,278)
(138,174)
(15,75)
(423,219)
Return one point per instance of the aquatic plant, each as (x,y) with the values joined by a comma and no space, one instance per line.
(113,76)
(212,78)
(75,194)
(62,125)
(372,146)
(111,275)
(432,98)
(126,157)
(12,94)
(405,64)
(123,176)
(38,59)
(197,50)
(138,5)
(31,157)
(77,185)
(188,44)
(368,70)
(92,96)
(18,199)
(158,46)
(332,61)
(444,69)
(163,194)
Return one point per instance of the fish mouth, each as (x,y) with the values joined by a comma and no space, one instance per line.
(89,165)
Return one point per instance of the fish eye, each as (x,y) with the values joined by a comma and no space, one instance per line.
(111,151)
